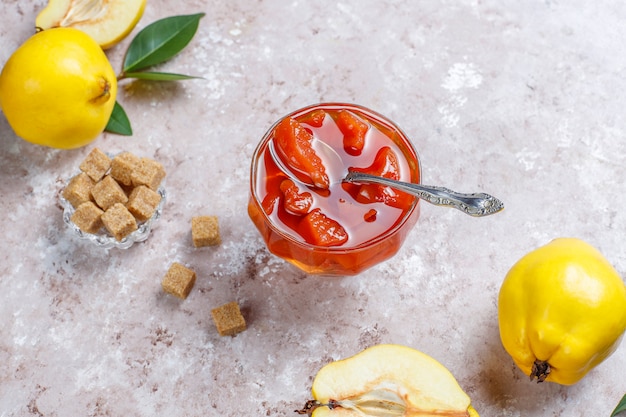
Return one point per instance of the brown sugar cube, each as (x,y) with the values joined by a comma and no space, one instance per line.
(228,319)
(148,172)
(108,192)
(122,167)
(118,221)
(205,231)
(88,217)
(178,280)
(142,202)
(96,164)
(78,190)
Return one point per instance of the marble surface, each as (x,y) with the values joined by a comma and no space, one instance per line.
(523,100)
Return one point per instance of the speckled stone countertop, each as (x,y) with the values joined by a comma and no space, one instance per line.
(523,100)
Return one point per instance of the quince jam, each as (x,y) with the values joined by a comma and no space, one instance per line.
(305,211)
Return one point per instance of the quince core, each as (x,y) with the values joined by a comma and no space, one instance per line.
(387,380)
(106,21)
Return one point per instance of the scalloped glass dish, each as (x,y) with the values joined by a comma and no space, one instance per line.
(105,240)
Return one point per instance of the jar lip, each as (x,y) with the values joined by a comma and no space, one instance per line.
(262,146)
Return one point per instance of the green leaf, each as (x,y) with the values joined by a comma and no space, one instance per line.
(160,41)
(118,122)
(158,76)
(620,407)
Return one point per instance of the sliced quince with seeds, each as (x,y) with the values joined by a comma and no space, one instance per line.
(107,21)
(387,380)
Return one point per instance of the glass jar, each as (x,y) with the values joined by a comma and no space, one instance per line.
(304,210)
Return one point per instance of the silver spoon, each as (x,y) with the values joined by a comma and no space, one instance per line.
(474,204)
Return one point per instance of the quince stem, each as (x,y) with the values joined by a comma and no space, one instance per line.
(311,405)
(105,94)
(540,370)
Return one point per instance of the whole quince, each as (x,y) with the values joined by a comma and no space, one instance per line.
(387,380)
(561,311)
(58,89)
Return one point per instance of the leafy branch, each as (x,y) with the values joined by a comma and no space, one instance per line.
(153,45)
(620,407)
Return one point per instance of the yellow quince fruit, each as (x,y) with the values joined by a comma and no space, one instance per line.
(561,311)
(107,21)
(58,89)
(387,380)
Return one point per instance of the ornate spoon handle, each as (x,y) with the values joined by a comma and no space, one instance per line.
(475,204)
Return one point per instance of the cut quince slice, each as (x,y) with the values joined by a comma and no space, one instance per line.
(387,380)
(294,144)
(106,21)
(318,229)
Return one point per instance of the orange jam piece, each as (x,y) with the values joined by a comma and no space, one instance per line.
(295,202)
(315,118)
(354,130)
(270,201)
(370,216)
(318,229)
(295,149)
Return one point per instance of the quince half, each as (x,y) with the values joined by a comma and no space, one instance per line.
(107,21)
(387,380)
